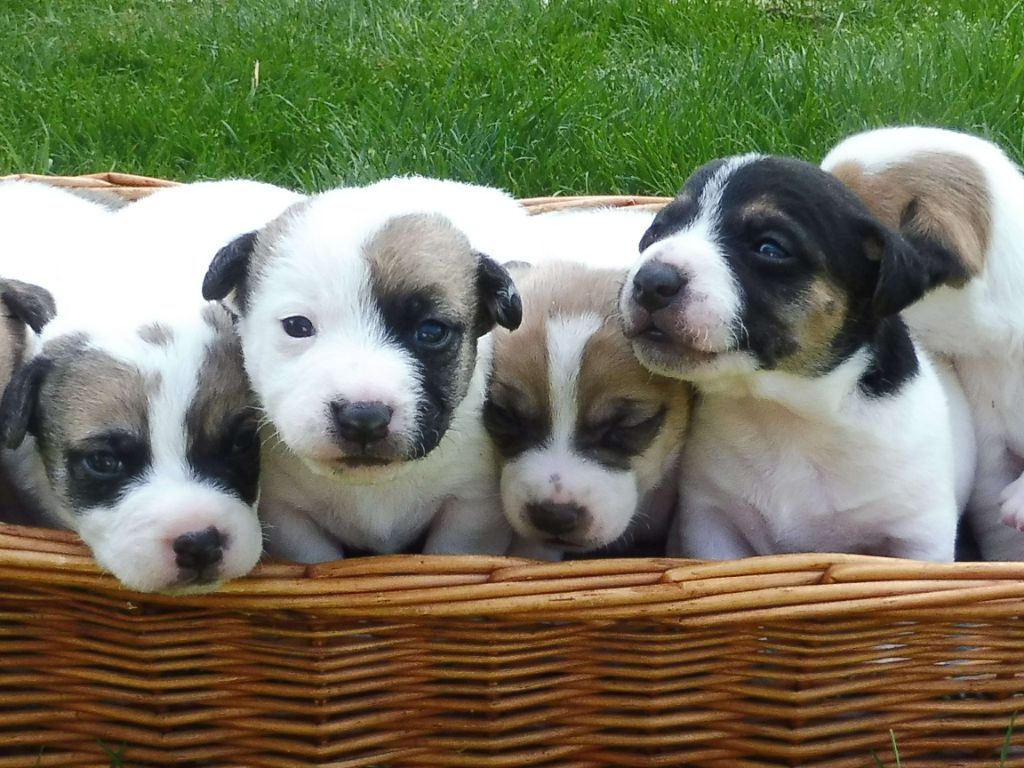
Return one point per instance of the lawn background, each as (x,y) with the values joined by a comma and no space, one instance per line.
(558,97)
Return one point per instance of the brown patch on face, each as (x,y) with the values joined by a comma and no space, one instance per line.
(612,385)
(222,388)
(815,322)
(420,253)
(157,334)
(935,195)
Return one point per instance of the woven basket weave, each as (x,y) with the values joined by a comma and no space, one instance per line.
(796,660)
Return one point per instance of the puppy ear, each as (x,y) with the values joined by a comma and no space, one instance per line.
(20,403)
(229,267)
(32,305)
(499,299)
(905,272)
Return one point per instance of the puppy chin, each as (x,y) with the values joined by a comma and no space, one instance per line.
(134,539)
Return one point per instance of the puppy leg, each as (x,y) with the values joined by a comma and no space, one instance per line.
(469,526)
(534,550)
(704,531)
(292,535)
(996,502)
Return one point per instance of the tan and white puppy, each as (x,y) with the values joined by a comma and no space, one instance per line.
(820,425)
(958,199)
(589,440)
(133,424)
(364,315)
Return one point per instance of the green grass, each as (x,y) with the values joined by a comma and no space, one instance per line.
(577,97)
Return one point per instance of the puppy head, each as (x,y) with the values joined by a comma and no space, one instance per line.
(27,308)
(148,441)
(360,328)
(764,263)
(584,432)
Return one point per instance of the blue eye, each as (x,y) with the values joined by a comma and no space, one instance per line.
(771,250)
(432,334)
(298,327)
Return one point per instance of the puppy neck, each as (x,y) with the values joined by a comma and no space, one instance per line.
(877,369)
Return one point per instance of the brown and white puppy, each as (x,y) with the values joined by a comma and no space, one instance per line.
(364,315)
(588,439)
(959,200)
(821,425)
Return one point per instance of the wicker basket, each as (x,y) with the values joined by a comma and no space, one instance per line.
(797,660)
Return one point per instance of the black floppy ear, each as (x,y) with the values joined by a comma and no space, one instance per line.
(499,299)
(20,403)
(905,272)
(228,269)
(32,305)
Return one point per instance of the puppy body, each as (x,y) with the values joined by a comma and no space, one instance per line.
(957,198)
(360,313)
(133,424)
(820,425)
(588,439)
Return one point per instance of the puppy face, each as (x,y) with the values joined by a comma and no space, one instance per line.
(584,431)
(149,446)
(764,263)
(360,333)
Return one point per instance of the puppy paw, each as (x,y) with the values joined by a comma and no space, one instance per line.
(1011,504)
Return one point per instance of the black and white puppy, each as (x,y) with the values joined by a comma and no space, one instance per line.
(588,440)
(821,426)
(133,423)
(959,199)
(363,315)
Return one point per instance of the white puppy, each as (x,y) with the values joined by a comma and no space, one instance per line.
(820,426)
(959,199)
(360,312)
(589,440)
(134,424)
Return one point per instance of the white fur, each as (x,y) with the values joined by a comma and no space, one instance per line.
(112,273)
(600,238)
(980,326)
(780,463)
(318,272)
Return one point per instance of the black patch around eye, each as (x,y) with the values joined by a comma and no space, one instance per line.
(101,468)
(615,441)
(444,370)
(231,458)
(512,431)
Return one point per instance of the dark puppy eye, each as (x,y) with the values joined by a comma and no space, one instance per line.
(432,334)
(298,327)
(500,420)
(243,438)
(770,250)
(630,435)
(103,464)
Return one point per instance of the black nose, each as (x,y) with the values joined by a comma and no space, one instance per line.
(656,284)
(362,423)
(199,550)
(556,519)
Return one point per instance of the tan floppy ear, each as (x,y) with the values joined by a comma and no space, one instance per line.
(227,272)
(499,300)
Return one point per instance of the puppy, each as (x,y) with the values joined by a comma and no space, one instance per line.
(957,199)
(820,425)
(134,423)
(363,315)
(588,439)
